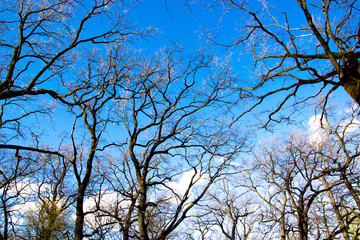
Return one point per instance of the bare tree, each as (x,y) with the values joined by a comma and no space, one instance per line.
(174,147)
(170,108)
(41,58)
(14,184)
(103,78)
(341,156)
(41,42)
(309,184)
(33,179)
(231,211)
(316,44)
(53,196)
(46,37)
(288,181)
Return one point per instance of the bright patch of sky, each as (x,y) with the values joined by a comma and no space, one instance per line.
(315,130)
(345,125)
(187,179)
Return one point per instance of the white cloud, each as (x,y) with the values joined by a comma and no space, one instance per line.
(184,182)
(105,200)
(26,188)
(316,133)
(175,190)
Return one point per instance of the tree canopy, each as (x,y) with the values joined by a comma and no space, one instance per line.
(296,45)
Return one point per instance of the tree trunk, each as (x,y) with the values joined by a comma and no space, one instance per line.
(6,222)
(142,210)
(302,223)
(350,79)
(79,222)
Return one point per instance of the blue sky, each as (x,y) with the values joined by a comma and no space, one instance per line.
(181,24)
(176,22)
